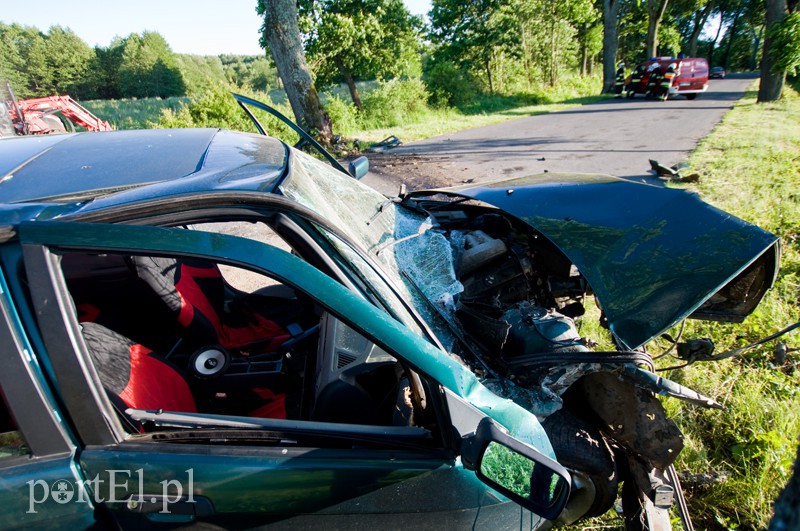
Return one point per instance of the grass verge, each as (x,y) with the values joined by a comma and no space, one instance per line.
(396,108)
(735,462)
(750,167)
(484,110)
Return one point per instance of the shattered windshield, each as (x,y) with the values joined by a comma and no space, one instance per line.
(417,258)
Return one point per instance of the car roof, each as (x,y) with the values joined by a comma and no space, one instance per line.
(81,166)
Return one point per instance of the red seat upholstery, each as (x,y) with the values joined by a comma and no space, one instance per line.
(138,376)
(142,379)
(195,292)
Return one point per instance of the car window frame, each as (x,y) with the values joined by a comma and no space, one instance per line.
(39,419)
(215,206)
(27,397)
(375,325)
(96,420)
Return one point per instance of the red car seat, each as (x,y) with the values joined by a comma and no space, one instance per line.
(139,377)
(212,312)
(136,377)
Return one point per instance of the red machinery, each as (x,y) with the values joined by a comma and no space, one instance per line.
(37,116)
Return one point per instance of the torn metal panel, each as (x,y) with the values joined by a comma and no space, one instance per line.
(653,256)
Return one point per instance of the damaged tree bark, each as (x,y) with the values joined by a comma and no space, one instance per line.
(281,34)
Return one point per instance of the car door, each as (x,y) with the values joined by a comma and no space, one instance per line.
(39,480)
(252,471)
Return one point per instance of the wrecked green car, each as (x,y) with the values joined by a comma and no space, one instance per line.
(207,326)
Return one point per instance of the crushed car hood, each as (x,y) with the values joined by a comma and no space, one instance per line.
(652,256)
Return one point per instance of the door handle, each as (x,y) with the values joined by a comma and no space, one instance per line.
(160,508)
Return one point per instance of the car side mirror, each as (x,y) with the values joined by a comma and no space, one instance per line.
(358,168)
(516,470)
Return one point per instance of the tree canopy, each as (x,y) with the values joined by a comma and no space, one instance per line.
(38,63)
(349,40)
(466,47)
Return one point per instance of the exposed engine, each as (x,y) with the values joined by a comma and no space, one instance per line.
(519,301)
(520,294)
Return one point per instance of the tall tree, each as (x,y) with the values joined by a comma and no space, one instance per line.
(772,79)
(475,34)
(103,78)
(149,68)
(756,14)
(281,34)
(11,64)
(691,17)
(550,36)
(732,33)
(363,39)
(610,38)
(24,60)
(68,57)
(655,14)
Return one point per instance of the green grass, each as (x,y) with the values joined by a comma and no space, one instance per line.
(485,110)
(132,113)
(422,122)
(750,167)
(442,121)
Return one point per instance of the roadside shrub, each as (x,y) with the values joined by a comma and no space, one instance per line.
(216,107)
(574,87)
(448,84)
(395,102)
(344,115)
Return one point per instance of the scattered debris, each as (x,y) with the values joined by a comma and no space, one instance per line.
(343,147)
(387,143)
(673,173)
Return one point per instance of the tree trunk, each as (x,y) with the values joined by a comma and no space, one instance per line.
(351,84)
(610,13)
(731,36)
(281,33)
(716,38)
(655,13)
(584,49)
(526,53)
(489,76)
(553,56)
(756,45)
(771,82)
(699,23)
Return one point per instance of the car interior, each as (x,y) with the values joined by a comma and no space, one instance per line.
(173,334)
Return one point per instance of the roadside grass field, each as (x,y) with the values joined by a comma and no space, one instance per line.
(736,461)
(750,167)
(430,121)
(133,113)
(382,116)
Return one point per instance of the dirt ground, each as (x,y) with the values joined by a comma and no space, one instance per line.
(415,171)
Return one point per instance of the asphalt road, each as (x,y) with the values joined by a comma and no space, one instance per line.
(615,136)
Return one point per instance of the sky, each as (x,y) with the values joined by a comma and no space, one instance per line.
(202,27)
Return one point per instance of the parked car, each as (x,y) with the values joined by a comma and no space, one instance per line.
(691,79)
(718,72)
(211,326)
